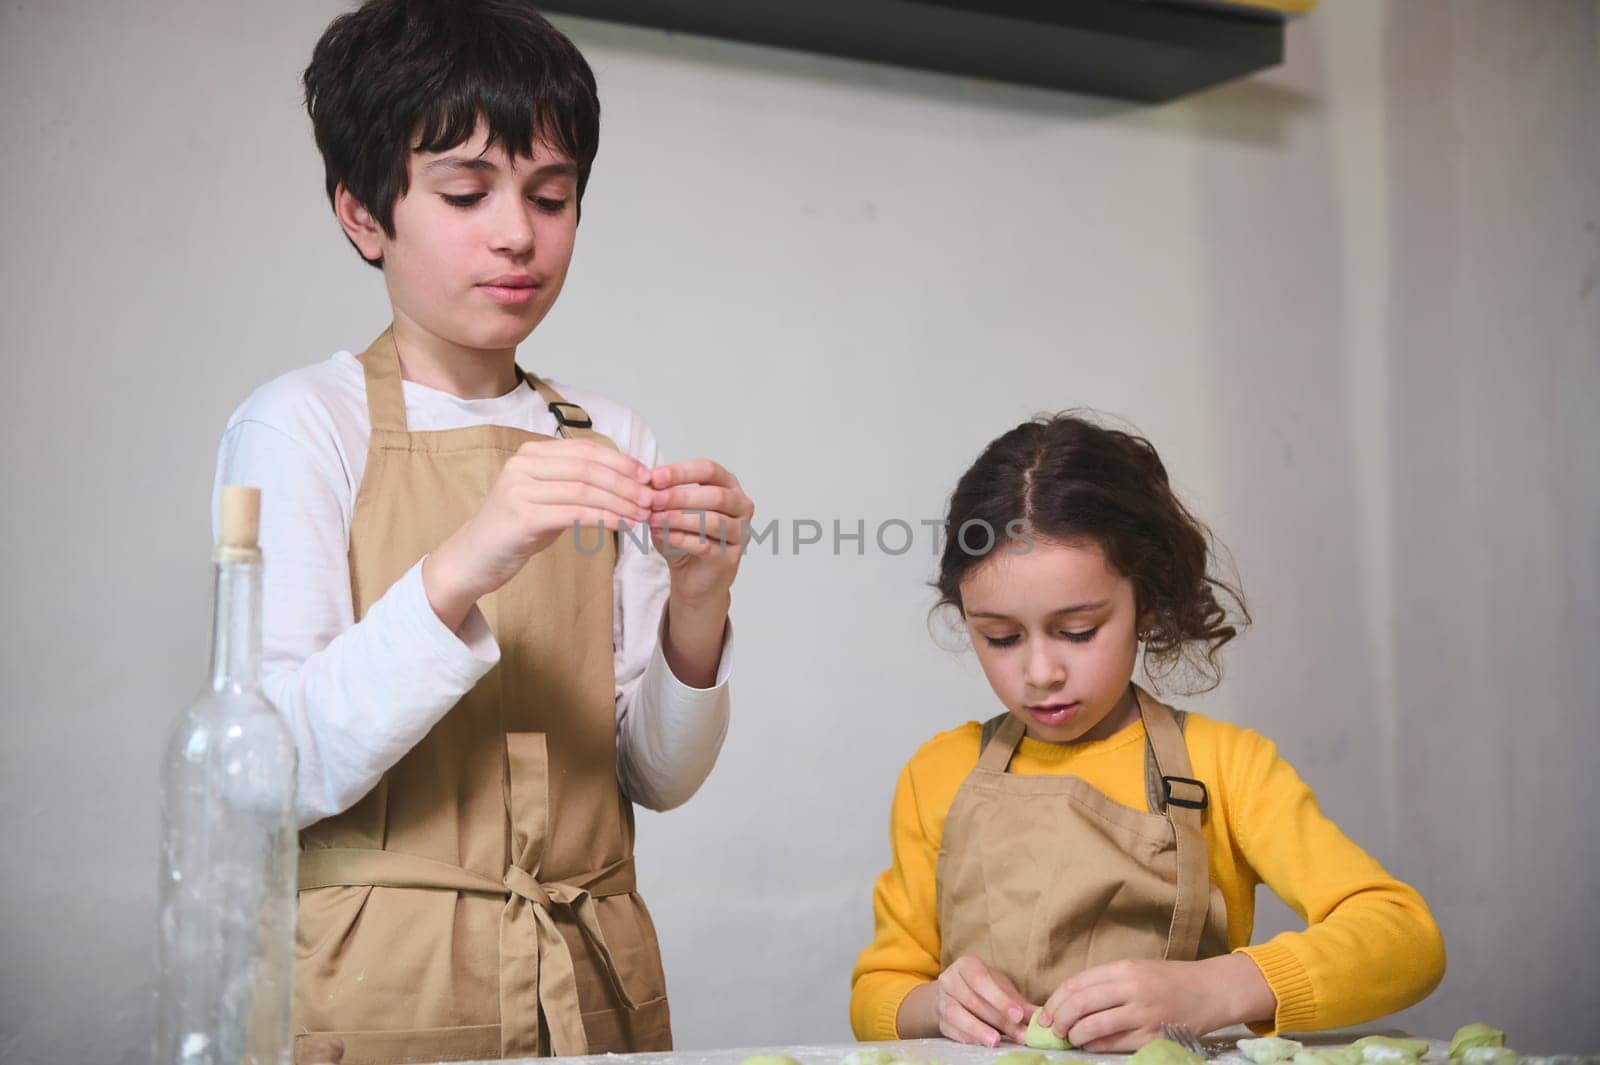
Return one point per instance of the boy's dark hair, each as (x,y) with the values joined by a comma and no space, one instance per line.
(397,76)
(1067,480)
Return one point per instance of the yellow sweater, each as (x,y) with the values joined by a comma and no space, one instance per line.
(1371,946)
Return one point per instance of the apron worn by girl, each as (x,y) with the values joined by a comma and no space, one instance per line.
(480,901)
(1045,876)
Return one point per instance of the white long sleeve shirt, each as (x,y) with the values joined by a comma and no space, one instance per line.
(358,696)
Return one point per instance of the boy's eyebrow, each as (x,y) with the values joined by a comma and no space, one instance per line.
(479,164)
(460,162)
(1076,608)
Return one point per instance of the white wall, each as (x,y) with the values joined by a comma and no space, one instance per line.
(1353,301)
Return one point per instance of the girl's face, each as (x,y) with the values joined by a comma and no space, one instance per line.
(1056,630)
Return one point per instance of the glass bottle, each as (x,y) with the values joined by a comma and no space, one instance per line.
(225,933)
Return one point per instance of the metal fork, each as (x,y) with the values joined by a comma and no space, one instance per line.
(1184,1036)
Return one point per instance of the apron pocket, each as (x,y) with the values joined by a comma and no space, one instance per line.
(470,1043)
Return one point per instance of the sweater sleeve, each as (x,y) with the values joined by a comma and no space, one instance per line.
(904,952)
(356,695)
(1370,947)
(668,733)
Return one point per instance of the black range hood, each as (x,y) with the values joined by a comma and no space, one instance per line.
(1143,50)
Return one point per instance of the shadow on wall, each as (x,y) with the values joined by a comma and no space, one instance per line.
(1272,231)
(1253,112)
(1494,325)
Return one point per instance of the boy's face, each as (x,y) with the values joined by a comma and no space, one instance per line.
(482,242)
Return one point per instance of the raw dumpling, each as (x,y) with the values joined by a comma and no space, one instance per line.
(1474,1035)
(1041,1038)
(1164,1052)
(1387,1054)
(1329,1056)
(1489,1056)
(1270,1049)
(868,1056)
(1414,1048)
(1021,1057)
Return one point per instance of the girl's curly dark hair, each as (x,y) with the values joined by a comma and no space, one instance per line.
(1065,479)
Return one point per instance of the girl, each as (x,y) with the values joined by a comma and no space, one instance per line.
(1091,851)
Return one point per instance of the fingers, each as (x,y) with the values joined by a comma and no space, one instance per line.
(959,1024)
(678,544)
(1023,1005)
(979,1005)
(575,469)
(1061,1001)
(1004,1010)
(589,497)
(730,501)
(1114,1030)
(1067,1008)
(719,530)
(1057,1008)
(694,471)
(698,494)
(692,508)
(589,450)
(559,519)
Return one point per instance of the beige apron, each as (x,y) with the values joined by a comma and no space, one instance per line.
(1044,876)
(480,902)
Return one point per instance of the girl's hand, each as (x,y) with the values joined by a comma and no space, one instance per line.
(698,518)
(1121,1006)
(970,1003)
(540,493)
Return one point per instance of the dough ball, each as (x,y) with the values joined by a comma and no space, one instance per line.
(1164,1052)
(1041,1038)
(1474,1035)
(868,1056)
(1270,1049)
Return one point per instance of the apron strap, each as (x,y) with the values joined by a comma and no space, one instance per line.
(572,421)
(386,402)
(1001,735)
(528,932)
(322,867)
(1155,790)
(1183,800)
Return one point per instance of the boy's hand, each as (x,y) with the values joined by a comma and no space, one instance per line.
(541,491)
(1121,1006)
(970,1003)
(698,519)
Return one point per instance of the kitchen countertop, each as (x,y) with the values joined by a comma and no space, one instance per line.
(945,1052)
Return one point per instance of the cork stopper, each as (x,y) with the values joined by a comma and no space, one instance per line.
(238,522)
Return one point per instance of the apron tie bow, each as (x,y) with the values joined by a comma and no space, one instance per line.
(549,963)
(521,883)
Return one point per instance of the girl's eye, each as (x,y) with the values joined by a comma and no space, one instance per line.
(548,205)
(466,200)
(1082,637)
(1000,641)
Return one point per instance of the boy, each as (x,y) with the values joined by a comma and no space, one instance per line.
(477,694)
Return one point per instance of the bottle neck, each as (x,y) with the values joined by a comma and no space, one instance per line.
(236,625)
